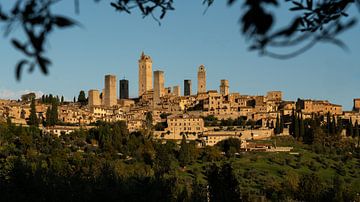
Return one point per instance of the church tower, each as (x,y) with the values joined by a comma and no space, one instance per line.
(201,79)
(145,74)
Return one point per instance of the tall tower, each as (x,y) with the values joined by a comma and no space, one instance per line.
(124,89)
(176,91)
(201,79)
(224,87)
(145,74)
(110,91)
(158,85)
(94,98)
(356,104)
(187,87)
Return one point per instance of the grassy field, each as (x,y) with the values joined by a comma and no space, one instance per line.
(261,171)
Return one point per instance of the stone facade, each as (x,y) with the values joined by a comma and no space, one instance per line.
(224,87)
(357,104)
(318,106)
(145,74)
(94,98)
(110,98)
(184,124)
(201,76)
(158,85)
(124,89)
(176,91)
(187,87)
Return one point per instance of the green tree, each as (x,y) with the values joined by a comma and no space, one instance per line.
(184,153)
(310,187)
(48,117)
(296,127)
(148,121)
(356,133)
(223,184)
(54,113)
(277,125)
(33,119)
(230,146)
(82,98)
(301,127)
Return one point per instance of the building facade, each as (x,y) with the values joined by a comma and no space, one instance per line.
(158,85)
(201,79)
(224,87)
(176,91)
(145,74)
(187,87)
(124,89)
(110,98)
(94,98)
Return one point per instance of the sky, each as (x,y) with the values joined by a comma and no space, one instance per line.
(108,42)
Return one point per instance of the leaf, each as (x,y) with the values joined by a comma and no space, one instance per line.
(296,8)
(63,21)
(18,45)
(43,63)
(309,4)
(19,68)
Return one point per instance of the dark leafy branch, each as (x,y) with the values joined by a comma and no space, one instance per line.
(315,21)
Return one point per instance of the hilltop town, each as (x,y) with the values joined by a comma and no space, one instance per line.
(207,115)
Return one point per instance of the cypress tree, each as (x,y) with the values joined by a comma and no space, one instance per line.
(292,124)
(281,124)
(54,113)
(82,98)
(62,99)
(48,116)
(356,133)
(296,126)
(277,125)
(333,126)
(350,129)
(33,119)
(301,127)
(328,123)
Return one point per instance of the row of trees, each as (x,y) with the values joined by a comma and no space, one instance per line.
(109,163)
(51,116)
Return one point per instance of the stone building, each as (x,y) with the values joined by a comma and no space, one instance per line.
(201,76)
(357,104)
(94,98)
(110,98)
(184,124)
(124,89)
(176,91)
(145,74)
(274,95)
(308,106)
(224,87)
(187,87)
(158,85)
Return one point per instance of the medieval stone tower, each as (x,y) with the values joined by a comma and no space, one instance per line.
(158,85)
(201,79)
(145,74)
(110,91)
(94,98)
(224,87)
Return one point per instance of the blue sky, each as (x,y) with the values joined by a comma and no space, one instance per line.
(111,43)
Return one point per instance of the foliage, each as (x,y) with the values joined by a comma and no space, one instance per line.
(33,118)
(109,163)
(314,21)
(82,98)
(28,97)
